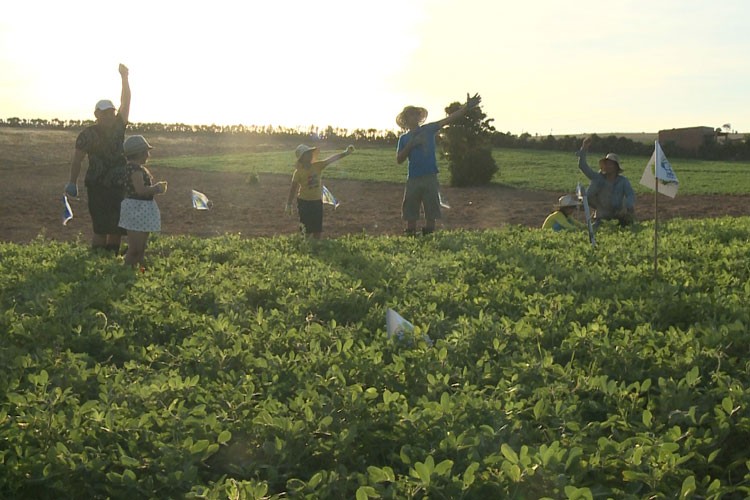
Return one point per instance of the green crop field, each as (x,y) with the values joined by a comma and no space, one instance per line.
(262,368)
(523,169)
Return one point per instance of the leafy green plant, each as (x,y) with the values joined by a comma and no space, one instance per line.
(262,369)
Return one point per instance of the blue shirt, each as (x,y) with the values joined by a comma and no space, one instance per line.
(608,198)
(422,159)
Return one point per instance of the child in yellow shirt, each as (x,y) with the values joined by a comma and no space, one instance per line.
(307,186)
(561,218)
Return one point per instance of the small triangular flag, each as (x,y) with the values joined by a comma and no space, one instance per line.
(329,199)
(443,203)
(67,214)
(200,201)
(397,326)
(658,169)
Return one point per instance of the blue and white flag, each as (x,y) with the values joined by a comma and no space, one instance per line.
(200,201)
(660,170)
(67,214)
(443,203)
(397,326)
(329,199)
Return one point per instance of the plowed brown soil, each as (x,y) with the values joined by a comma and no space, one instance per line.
(35,166)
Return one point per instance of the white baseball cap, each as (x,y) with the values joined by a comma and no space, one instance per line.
(103,105)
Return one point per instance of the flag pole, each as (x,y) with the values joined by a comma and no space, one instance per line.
(656,230)
(656,220)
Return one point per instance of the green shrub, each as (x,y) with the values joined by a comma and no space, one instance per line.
(467,144)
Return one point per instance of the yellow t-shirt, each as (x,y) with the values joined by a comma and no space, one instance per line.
(310,181)
(557,221)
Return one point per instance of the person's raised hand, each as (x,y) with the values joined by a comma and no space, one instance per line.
(123,70)
(586,143)
(473,101)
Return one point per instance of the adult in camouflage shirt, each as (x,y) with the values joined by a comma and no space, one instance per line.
(102,144)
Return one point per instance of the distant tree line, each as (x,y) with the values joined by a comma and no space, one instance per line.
(712,149)
(329,133)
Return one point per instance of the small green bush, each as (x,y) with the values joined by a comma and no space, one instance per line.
(467,145)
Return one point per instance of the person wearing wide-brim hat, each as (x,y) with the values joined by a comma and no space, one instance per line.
(562,218)
(413,113)
(307,187)
(417,145)
(609,193)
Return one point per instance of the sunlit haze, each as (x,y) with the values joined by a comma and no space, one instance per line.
(540,66)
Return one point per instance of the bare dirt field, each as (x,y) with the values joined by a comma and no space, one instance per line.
(35,169)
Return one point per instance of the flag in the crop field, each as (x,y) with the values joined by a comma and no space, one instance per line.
(200,201)
(329,199)
(443,203)
(660,170)
(67,211)
(398,326)
(395,324)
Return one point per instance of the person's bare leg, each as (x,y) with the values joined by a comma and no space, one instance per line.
(136,248)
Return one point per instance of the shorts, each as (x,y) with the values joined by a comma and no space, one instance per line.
(421,192)
(311,215)
(140,215)
(104,208)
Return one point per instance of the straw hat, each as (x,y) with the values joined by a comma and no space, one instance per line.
(401,118)
(612,157)
(567,200)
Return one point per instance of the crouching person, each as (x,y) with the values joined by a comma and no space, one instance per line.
(562,218)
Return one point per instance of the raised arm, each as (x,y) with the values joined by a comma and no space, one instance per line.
(125,95)
(471,102)
(337,157)
(582,164)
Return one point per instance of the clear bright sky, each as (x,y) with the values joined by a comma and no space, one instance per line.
(544,66)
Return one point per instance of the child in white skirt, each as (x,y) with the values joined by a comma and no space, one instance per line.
(139,214)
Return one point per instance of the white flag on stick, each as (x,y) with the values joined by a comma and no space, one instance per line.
(660,170)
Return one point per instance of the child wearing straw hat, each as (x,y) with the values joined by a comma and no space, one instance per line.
(561,219)
(307,186)
(610,193)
